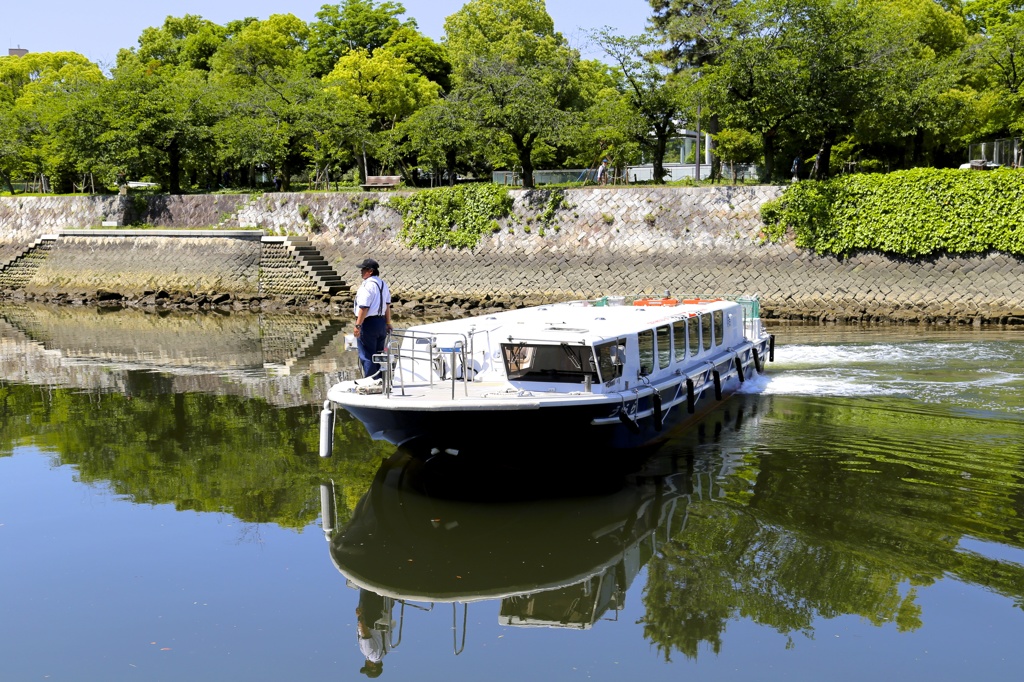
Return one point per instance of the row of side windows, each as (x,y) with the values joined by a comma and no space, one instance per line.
(683,339)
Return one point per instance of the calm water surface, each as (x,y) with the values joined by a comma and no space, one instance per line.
(857,514)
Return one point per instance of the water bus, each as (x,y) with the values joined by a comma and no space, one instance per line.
(609,373)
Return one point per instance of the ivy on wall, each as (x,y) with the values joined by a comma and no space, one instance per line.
(451,216)
(909,213)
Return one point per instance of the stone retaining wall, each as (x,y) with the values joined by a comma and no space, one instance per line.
(134,265)
(606,240)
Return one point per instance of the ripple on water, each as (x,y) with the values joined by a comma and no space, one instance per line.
(983,378)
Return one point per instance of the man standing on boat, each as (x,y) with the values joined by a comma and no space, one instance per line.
(373,315)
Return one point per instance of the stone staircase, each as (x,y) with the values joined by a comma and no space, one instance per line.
(308,258)
(17,269)
(291,343)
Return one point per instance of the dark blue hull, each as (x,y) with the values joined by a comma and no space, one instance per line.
(636,423)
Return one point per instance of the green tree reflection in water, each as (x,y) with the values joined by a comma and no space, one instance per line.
(199,452)
(823,508)
(840,507)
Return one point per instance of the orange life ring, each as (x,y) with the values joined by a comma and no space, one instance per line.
(656,301)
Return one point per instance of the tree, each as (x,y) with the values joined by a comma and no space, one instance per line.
(734,146)
(426,56)
(692,29)
(441,134)
(189,41)
(158,115)
(751,81)
(654,97)
(352,25)
(161,102)
(41,97)
(1001,62)
(387,89)
(737,53)
(847,55)
(517,74)
(267,85)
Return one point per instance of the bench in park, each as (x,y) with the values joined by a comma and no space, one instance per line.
(382,181)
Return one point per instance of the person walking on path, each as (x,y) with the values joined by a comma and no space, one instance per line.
(373,315)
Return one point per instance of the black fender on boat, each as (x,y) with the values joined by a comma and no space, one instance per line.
(757,361)
(629,422)
(656,402)
(690,397)
(771,348)
(718,384)
(739,368)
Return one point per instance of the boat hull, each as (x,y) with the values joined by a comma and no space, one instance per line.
(634,422)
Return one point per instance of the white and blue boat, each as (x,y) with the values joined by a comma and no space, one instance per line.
(611,373)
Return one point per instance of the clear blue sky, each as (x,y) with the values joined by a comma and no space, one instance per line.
(99,29)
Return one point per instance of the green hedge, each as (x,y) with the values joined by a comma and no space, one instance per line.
(908,213)
(452,216)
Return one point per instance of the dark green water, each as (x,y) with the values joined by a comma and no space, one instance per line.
(857,514)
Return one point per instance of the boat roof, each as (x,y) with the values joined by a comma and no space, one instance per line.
(575,321)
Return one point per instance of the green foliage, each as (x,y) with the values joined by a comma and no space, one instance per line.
(451,216)
(518,75)
(195,451)
(306,213)
(48,113)
(655,100)
(556,200)
(352,25)
(910,213)
(883,85)
(803,206)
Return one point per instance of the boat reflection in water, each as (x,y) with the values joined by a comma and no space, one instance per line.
(561,562)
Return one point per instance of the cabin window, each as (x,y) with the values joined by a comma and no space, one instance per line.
(694,336)
(679,339)
(705,330)
(646,341)
(609,359)
(664,346)
(563,363)
(719,327)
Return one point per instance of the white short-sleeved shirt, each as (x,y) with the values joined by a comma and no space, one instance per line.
(372,647)
(374,295)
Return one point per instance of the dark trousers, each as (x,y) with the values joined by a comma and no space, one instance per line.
(372,335)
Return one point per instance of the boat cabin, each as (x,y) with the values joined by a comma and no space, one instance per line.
(663,348)
(572,347)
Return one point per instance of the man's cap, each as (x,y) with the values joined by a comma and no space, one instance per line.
(368,264)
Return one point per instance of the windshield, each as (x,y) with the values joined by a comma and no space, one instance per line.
(563,363)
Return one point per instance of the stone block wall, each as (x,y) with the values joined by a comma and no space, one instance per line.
(23,218)
(627,240)
(133,265)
